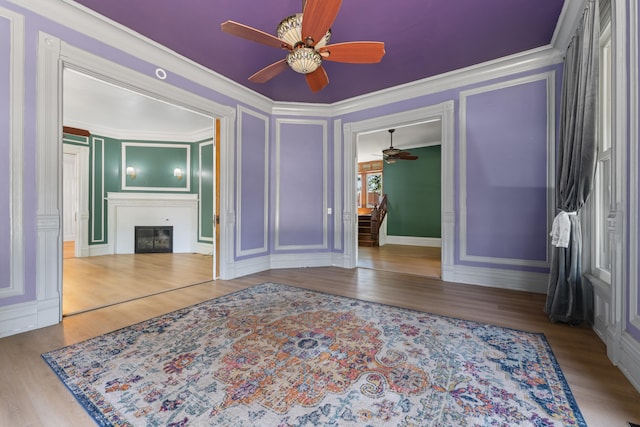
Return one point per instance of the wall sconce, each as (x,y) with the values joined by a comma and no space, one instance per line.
(177,172)
(131,172)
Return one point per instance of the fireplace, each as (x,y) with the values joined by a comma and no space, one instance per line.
(153,239)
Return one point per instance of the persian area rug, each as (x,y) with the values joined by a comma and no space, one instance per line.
(275,355)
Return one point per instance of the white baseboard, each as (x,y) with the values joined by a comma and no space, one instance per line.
(19,318)
(301,260)
(256,265)
(434,242)
(629,362)
(249,266)
(98,250)
(497,278)
(203,248)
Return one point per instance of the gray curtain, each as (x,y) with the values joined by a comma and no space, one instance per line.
(569,298)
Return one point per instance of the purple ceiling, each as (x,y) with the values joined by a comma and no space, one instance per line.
(422,38)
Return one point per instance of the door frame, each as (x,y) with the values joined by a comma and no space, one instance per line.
(443,112)
(53,56)
(81,154)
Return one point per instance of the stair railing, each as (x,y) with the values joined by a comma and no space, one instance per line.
(377,216)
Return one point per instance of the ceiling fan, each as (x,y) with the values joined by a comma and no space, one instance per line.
(305,36)
(391,154)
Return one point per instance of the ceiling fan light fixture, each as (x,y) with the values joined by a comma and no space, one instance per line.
(391,151)
(290,30)
(304,60)
(390,160)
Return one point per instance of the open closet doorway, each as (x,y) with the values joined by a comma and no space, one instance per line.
(399,199)
(140,194)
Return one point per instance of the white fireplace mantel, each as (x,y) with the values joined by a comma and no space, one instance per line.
(126,210)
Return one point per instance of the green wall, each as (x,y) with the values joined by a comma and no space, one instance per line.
(206,194)
(413,190)
(154,162)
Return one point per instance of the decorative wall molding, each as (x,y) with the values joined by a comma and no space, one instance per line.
(549,77)
(634,166)
(126,163)
(15,174)
(242,111)
(202,238)
(323,124)
(95,194)
(338,160)
(48,186)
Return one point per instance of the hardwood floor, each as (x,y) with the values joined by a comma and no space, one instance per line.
(32,395)
(419,260)
(99,281)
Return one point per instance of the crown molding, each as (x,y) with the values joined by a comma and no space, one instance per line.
(79,18)
(567,23)
(302,109)
(521,62)
(163,136)
(498,68)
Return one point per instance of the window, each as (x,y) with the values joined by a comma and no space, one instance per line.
(602,191)
(369,184)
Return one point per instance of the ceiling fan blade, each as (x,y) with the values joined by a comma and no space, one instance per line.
(318,79)
(317,18)
(405,155)
(354,52)
(250,33)
(269,72)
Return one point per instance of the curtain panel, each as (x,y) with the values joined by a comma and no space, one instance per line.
(569,298)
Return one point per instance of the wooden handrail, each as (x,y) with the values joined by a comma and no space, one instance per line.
(377,216)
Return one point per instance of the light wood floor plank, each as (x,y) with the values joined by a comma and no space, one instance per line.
(99,281)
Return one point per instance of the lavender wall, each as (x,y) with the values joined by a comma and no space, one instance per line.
(252,196)
(506,172)
(5,170)
(300,169)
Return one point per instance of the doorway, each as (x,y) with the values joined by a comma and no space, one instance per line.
(408,240)
(96,276)
(354,131)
